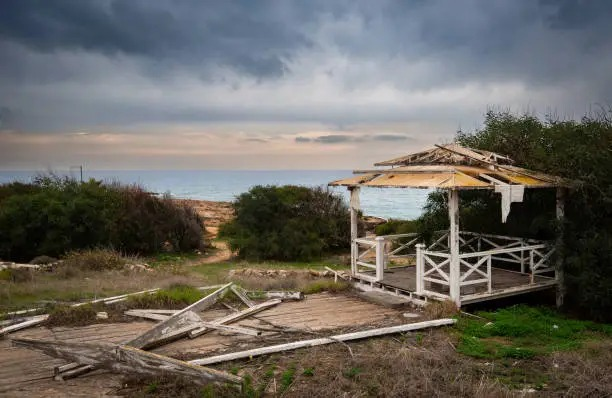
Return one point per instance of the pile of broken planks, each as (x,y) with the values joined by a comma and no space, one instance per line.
(132,356)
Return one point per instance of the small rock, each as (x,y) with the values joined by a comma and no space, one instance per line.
(410,315)
(102,315)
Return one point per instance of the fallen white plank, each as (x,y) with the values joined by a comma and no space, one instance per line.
(20,312)
(35,320)
(236,316)
(321,341)
(210,287)
(164,330)
(111,300)
(125,359)
(279,295)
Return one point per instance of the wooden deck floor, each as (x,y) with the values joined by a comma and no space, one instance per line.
(502,280)
(29,373)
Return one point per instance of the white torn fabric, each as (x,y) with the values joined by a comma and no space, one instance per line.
(355,199)
(509,194)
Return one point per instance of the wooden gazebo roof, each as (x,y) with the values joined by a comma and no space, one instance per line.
(452,167)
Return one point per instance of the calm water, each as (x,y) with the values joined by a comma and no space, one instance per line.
(225,185)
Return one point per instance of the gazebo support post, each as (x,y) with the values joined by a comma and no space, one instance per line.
(560,212)
(354,222)
(453,236)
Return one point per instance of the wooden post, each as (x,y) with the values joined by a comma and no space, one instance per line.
(560,212)
(353,208)
(453,237)
(419,267)
(380,257)
(489,274)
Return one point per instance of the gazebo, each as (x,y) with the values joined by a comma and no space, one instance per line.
(461,266)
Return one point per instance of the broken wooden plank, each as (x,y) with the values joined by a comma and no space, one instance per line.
(125,359)
(321,341)
(242,296)
(114,299)
(35,320)
(279,295)
(236,316)
(163,331)
(232,329)
(147,315)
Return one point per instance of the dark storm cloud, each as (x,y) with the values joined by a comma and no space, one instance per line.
(244,35)
(71,64)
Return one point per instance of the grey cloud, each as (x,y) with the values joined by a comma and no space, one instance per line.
(560,48)
(333,139)
(390,137)
(249,37)
(302,139)
(258,140)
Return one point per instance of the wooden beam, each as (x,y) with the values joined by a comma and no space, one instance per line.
(321,341)
(236,316)
(283,295)
(35,320)
(124,359)
(165,329)
(147,315)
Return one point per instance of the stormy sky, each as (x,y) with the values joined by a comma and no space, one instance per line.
(197,84)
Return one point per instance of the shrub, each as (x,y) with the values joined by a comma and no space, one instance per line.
(287,223)
(393,227)
(94,260)
(54,215)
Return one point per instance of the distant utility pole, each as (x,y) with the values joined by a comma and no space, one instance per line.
(80,167)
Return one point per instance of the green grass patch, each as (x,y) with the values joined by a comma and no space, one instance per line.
(175,296)
(326,286)
(524,332)
(287,378)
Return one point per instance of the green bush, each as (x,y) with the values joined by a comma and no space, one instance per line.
(393,227)
(54,215)
(287,223)
(578,150)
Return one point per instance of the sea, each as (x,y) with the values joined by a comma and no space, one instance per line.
(225,185)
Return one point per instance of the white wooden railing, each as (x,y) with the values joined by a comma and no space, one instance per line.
(477,256)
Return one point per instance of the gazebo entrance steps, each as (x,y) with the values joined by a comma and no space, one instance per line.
(505,283)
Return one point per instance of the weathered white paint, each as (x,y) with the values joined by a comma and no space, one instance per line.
(380,257)
(453,216)
(419,267)
(354,226)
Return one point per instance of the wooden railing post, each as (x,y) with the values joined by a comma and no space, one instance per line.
(380,257)
(419,267)
(531,277)
(489,275)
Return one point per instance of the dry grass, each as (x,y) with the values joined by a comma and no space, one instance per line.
(49,287)
(440,309)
